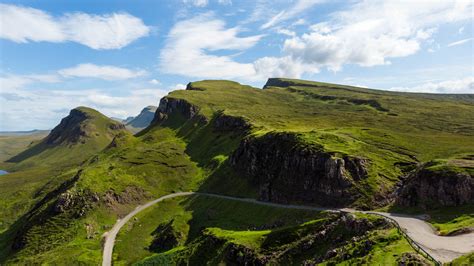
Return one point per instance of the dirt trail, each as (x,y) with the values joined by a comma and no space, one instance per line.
(442,248)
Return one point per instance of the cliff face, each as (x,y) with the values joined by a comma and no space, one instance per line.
(170,105)
(69,129)
(223,122)
(80,124)
(286,171)
(427,188)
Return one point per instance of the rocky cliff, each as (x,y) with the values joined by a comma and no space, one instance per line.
(430,186)
(170,105)
(285,170)
(224,122)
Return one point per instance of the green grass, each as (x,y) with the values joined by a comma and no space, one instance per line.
(181,155)
(465,260)
(11,145)
(282,245)
(424,127)
(193,214)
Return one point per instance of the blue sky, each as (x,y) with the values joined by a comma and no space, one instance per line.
(119,56)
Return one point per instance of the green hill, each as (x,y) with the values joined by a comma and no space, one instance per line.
(79,135)
(292,142)
(47,163)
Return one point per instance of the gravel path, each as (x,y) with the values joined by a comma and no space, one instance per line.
(442,248)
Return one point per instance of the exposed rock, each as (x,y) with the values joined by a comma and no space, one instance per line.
(129,195)
(69,129)
(64,202)
(286,170)
(427,188)
(223,122)
(165,238)
(411,259)
(240,255)
(169,105)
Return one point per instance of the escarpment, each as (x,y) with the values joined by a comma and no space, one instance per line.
(286,170)
(224,122)
(170,105)
(427,187)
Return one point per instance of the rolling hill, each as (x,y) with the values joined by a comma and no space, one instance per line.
(293,142)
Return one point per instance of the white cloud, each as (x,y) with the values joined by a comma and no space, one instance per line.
(286,32)
(110,31)
(198,3)
(9,83)
(44,109)
(459,42)
(191,43)
(179,86)
(299,7)
(370,33)
(282,67)
(155,82)
(461,30)
(299,22)
(224,2)
(465,85)
(101,72)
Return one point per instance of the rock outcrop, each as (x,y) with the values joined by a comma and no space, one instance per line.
(285,170)
(426,187)
(165,237)
(224,122)
(170,105)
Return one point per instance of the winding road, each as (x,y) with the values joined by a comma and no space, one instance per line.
(442,248)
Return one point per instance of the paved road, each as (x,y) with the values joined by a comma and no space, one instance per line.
(442,248)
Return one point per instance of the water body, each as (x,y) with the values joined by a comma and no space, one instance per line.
(3,172)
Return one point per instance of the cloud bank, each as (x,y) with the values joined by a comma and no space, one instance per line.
(110,31)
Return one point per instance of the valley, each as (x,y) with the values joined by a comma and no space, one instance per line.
(293,143)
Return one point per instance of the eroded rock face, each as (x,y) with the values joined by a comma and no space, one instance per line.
(286,171)
(69,129)
(170,105)
(427,188)
(223,122)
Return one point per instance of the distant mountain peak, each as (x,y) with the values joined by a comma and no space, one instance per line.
(143,119)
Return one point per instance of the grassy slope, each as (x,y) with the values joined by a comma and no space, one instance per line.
(235,223)
(183,155)
(45,167)
(193,214)
(11,145)
(402,127)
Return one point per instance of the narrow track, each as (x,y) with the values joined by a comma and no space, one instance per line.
(441,248)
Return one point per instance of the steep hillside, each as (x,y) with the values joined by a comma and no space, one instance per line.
(79,135)
(305,141)
(37,171)
(292,142)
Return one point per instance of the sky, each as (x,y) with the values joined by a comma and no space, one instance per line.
(120,56)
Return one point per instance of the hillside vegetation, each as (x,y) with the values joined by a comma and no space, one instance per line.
(292,142)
